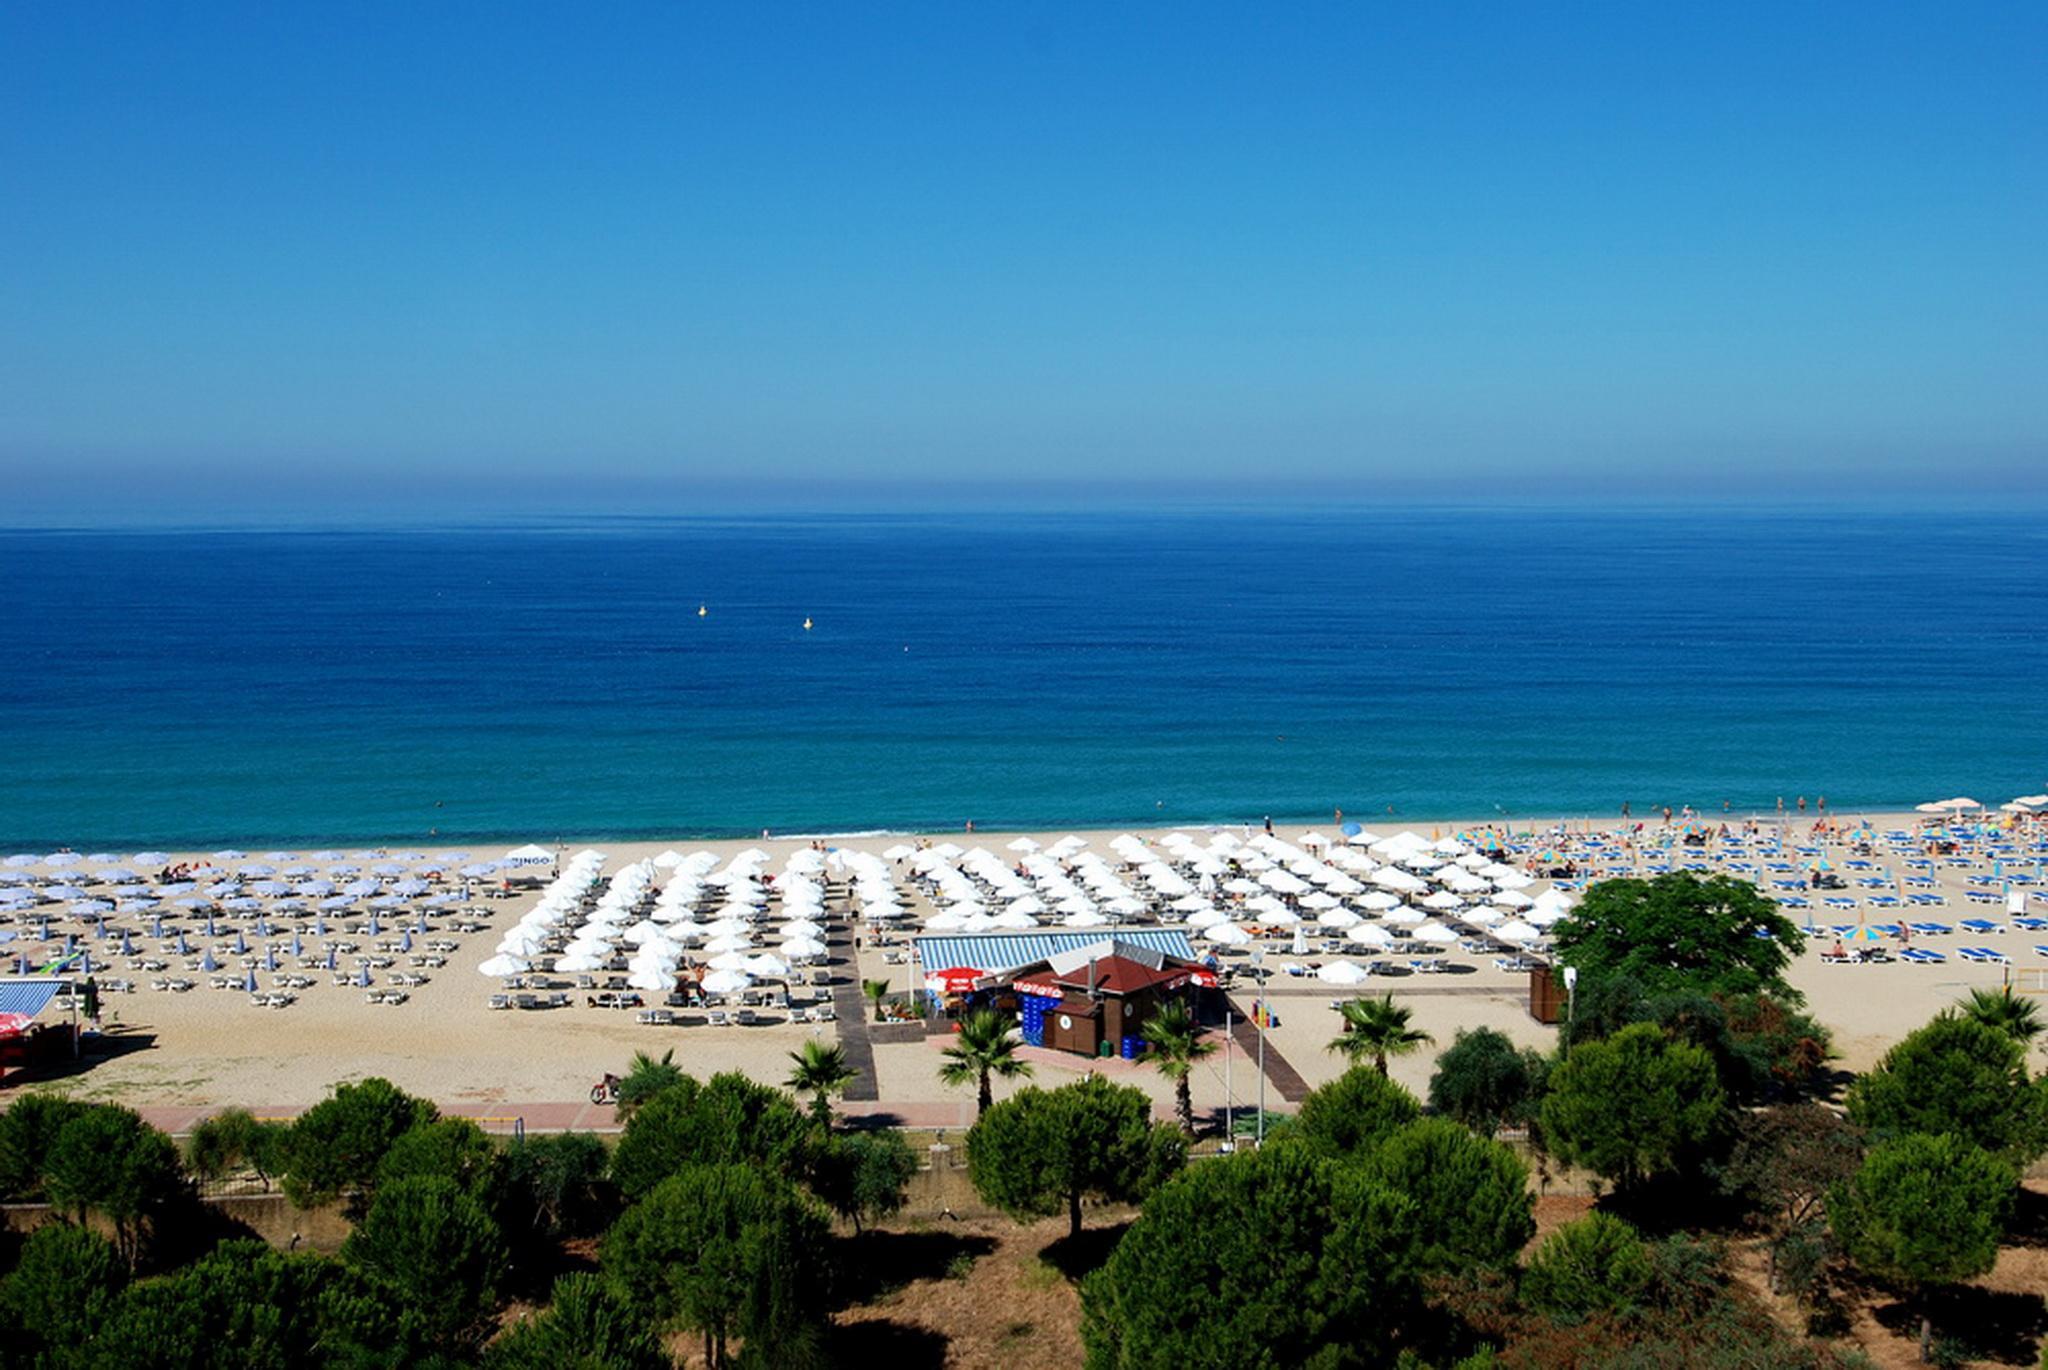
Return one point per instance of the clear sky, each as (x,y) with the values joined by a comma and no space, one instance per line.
(638,256)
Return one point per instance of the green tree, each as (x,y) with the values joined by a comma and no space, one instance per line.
(1785,1162)
(1595,1265)
(1483,1080)
(439,1253)
(108,1161)
(1633,1105)
(1043,1151)
(1376,1029)
(587,1325)
(336,1145)
(2017,1017)
(1961,1076)
(231,1139)
(28,1129)
(1681,931)
(244,1305)
(1264,1260)
(450,1149)
(1353,1114)
(727,1118)
(865,1176)
(1924,1210)
(877,992)
(1174,1041)
(819,1069)
(1471,1194)
(64,1285)
(647,1077)
(731,1251)
(983,1050)
(559,1181)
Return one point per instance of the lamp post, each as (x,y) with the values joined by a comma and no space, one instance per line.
(1571,1005)
(1265,1012)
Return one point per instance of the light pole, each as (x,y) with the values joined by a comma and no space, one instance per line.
(1229,1099)
(1265,1012)
(1571,1005)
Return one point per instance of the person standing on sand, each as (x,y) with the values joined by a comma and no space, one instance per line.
(1624,811)
(1269,825)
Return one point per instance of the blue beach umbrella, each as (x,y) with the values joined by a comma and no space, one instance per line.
(298,948)
(331,962)
(371,928)
(241,944)
(363,975)
(183,950)
(249,981)
(127,945)
(270,958)
(206,961)
(405,942)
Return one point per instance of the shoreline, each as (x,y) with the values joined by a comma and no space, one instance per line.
(1384,823)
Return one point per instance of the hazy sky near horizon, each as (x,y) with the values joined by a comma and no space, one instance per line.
(627,256)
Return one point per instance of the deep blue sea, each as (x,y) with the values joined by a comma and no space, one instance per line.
(530,680)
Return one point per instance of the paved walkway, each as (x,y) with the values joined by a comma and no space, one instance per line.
(850,1007)
(1284,1078)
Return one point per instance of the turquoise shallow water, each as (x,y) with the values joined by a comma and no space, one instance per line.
(533,680)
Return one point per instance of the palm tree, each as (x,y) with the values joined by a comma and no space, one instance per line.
(877,990)
(2000,1008)
(1377,1028)
(983,1050)
(1176,1042)
(821,1071)
(645,1078)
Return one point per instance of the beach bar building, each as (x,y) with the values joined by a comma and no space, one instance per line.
(1094,1000)
(1047,980)
(36,1026)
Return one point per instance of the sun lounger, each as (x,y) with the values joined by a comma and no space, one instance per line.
(1980,925)
(1921,957)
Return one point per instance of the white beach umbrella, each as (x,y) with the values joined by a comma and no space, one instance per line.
(1433,933)
(803,949)
(1342,973)
(1371,935)
(501,965)
(727,981)
(1517,931)
(1339,918)
(1225,934)
(767,966)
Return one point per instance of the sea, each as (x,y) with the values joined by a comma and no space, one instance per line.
(628,677)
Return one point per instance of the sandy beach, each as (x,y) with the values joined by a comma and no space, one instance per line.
(180,1055)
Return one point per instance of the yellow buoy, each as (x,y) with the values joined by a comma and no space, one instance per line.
(701,611)
(807,625)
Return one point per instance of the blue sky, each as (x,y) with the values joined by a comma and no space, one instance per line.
(363,256)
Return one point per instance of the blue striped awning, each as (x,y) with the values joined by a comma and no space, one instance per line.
(27,997)
(995,953)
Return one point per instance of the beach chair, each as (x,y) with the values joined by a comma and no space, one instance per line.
(2031,924)
(1971,954)
(1980,925)
(1994,956)
(2040,950)
(1883,901)
(718,1017)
